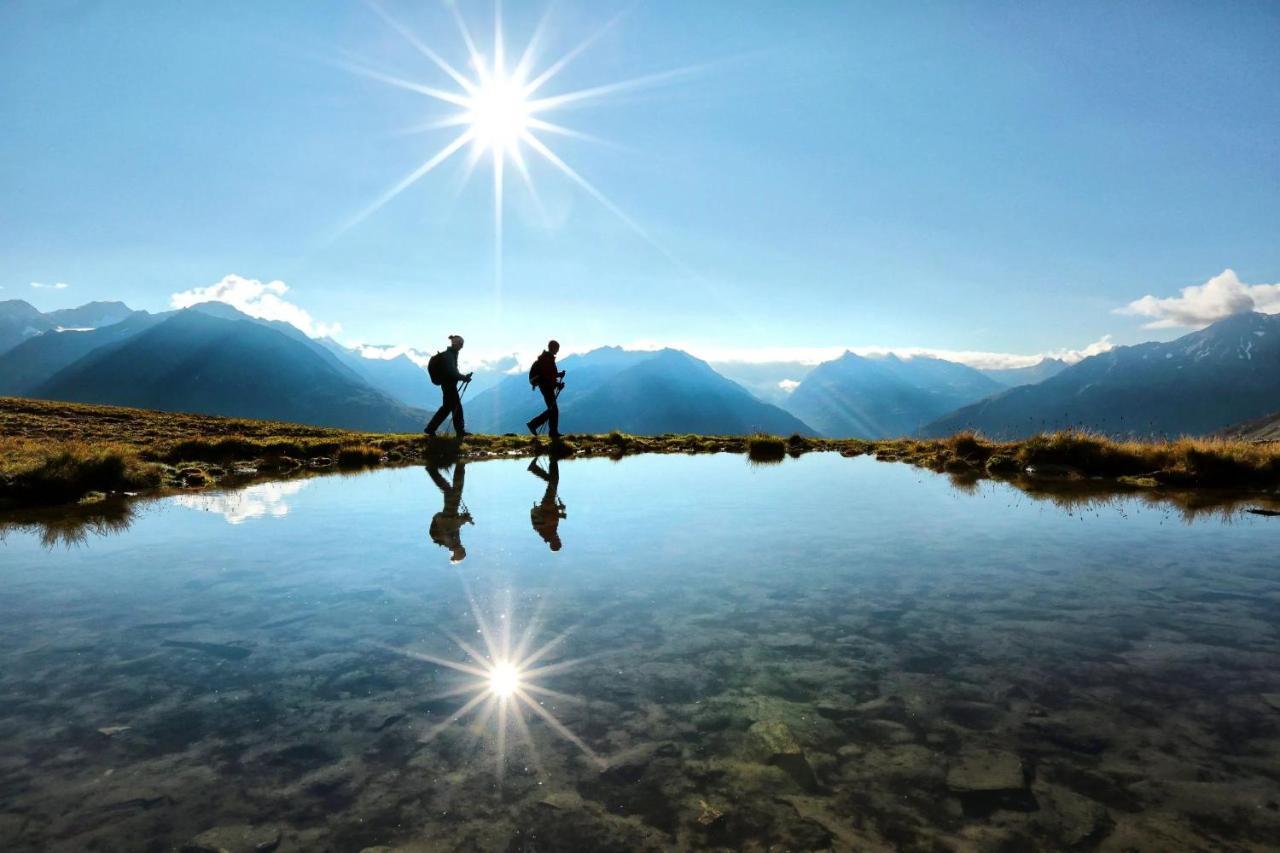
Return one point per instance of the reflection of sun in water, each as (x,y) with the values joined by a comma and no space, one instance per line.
(502,113)
(504,680)
(503,684)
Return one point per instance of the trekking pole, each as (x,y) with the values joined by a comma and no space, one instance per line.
(462,390)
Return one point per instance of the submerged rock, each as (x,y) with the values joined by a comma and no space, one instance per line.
(1071,819)
(986,770)
(772,742)
(239,838)
(988,780)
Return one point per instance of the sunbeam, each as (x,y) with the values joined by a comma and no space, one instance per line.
(500,114)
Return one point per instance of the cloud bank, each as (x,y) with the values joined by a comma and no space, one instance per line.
(257,299)
(1201,304)
(59,285)
(816,355)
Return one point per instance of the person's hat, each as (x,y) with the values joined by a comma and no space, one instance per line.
(457,338)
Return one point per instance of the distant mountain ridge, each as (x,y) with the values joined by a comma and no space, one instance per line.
(20,320)
(1200,383)
(860,397)
(639,392)
(1014,376)
(195,361)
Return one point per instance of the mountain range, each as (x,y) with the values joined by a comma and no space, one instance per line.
(21,320)
(858,396)
(1202,382)
(640,392)
(211,358)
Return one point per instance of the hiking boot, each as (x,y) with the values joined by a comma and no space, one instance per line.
(463,434)
(533,430)
(555,436)
(428,432)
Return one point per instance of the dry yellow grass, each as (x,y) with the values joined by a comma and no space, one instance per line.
(57,452)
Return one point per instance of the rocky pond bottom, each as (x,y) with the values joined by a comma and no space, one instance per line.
(658,653)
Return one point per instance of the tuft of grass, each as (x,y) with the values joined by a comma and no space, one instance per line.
(766,448)
(39,473)
(359,456)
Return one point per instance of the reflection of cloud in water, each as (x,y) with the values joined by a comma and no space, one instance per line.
(256,501)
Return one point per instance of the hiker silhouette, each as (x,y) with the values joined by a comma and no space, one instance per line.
(446,525)
(544,376)
(443,370)
(546,514)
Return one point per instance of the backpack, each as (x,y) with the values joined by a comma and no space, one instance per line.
(533,373)
(435,368)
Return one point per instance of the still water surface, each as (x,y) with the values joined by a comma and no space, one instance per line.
(658,653)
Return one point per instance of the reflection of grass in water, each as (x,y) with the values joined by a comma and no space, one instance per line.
(1076,495)
(72,526)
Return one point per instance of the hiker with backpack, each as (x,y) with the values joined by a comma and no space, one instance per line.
(544,377)
(443,370)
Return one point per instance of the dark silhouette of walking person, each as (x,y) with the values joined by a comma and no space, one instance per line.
(443,370)
(446,525)
(546,514)
(544,376)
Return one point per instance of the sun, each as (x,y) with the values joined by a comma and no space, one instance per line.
(501,115)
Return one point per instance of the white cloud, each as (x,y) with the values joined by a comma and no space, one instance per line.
(788,385)
(58,285)
(1201,304)
(388,352)
(815,355)
(498,364)
(257,299)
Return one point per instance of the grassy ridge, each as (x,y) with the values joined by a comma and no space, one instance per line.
(54,453)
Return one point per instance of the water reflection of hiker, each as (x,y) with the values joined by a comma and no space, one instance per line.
(443,370)
(446,525)
(546,514)
(544,376)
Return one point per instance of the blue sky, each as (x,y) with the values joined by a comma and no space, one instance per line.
(989,177)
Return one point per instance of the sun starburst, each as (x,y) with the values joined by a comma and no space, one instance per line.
(502,114)
(503,683)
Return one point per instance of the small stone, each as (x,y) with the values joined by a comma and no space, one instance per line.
(709,815)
